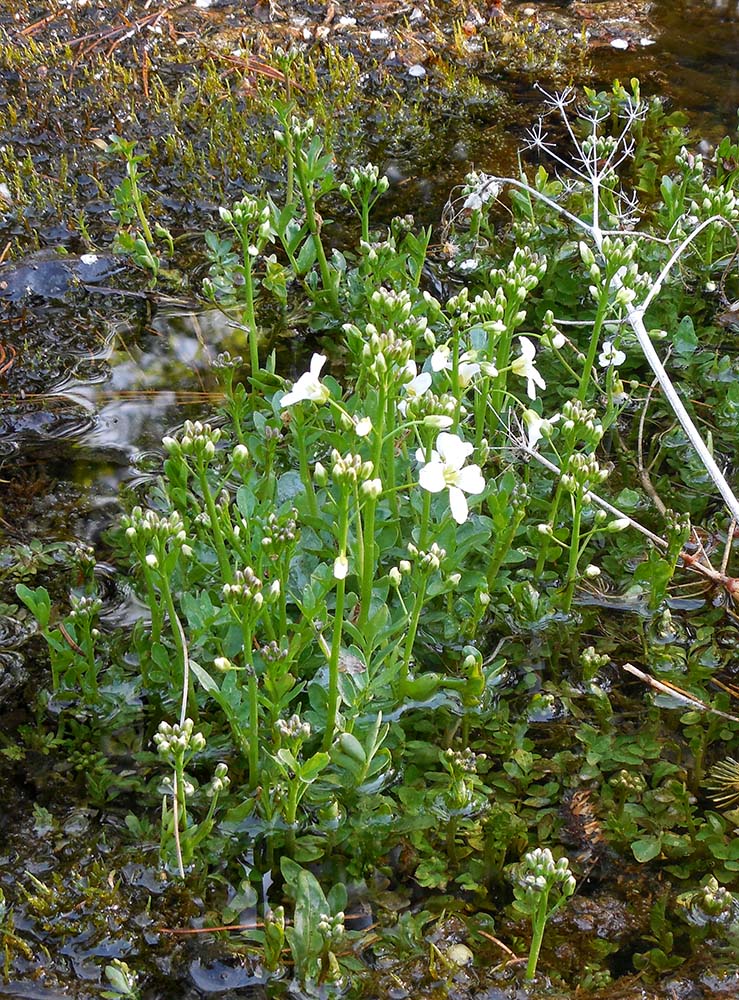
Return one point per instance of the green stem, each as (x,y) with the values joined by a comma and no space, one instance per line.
(600,315)
(92,679)
(218,542)
(370,508)
(253,698)
(574,555)
(132,172)
(538,924)
(181,651)
(502,549)
(411,637)
(332,698)
(306,190)
(303,461)
(250,314)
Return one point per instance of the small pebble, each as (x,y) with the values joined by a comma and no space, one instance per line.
(619,43)
(417,70)
(379,36)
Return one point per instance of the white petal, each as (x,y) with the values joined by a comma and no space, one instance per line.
(470,479)
(316,364)
(431,477)
(458,505)
(289,398)
(341,567)
(441,359)
(453,450)
(420,384)
(528,350)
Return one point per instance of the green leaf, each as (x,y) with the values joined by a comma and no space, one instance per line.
(307,256)
(206,681)
(313,766)
(646,848)
(685,340)
(37,601)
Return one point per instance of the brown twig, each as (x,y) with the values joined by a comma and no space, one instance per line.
(665,687)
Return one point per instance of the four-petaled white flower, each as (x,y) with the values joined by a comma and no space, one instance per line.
(446,470)
(418,385)
(308,386)
(524,366)
(363,426)
(610,357)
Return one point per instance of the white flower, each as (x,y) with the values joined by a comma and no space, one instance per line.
(558,341)
(341,567)
(610,356)
(467,265)
(308,385)
(418,385)
(524,366)
(537,427)
(362,427)
(467,371)
(445,471)
(441,359)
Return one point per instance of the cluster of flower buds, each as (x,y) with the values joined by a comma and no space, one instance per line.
(580,421)
(435,411)
(384,352)
(583,474)
(147,529)
(429,561)
(380,254)
(220,780)
(331,928)
(279,532)
(272,652)
(246,588)
(364,181)
(521,275)
(592,661)
(350,468)
(401,226)
(293,728)
(84,607)
(463,761)
(173,740)
(716,201)
(225,361)
(84,556)
(690,163)
(196,439)
(629,784)
(250,212)
(595,149)
(711,903)
(299,131)
(539,872)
